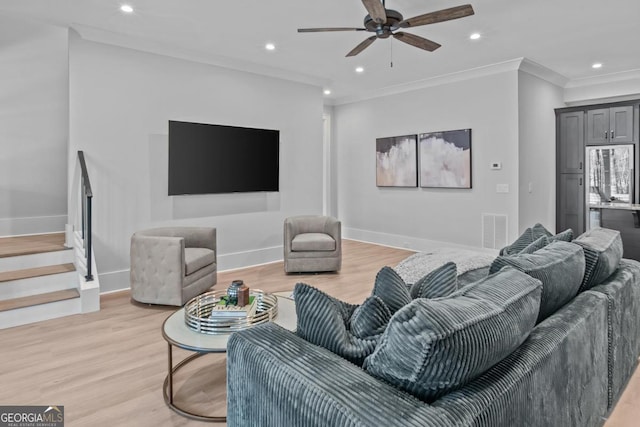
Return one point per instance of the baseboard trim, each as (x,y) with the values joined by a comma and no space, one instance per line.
(250,266)
(114,281)
(236,260)
(405,242)
(117,281)
(32,225)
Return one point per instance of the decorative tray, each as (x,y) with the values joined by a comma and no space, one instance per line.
(197,313)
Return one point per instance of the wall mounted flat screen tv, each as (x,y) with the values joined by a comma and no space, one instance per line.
(206,159)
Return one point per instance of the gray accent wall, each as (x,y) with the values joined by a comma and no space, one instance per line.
(120,102)
(34,105)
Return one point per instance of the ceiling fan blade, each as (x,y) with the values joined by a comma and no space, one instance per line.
(362,46)
(376,10)
(438,16)
(417,41)
(318,30)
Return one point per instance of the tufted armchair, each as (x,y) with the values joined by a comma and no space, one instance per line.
(312,243)
(171,265)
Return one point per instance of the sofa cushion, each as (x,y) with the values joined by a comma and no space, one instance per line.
(434,346)
(536,245)
(565,236)
(559,266)
(602,253)
(313,242)
(441,282)
(395,293)
(370,319)
(529,236)
(472,276)
(391,289)
(323,320)
(197,258)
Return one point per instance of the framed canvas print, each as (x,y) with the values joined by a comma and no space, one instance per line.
(397,161)
(445,159)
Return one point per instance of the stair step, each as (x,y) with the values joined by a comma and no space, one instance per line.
(33,300)
(44,259)
(34,244)
(38,313)
(36,272)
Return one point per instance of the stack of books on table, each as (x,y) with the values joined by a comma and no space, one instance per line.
(227,311)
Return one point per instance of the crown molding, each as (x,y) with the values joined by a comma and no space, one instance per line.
(132,42)
(604,79)
(530,67)
(522,64)
(502,67)
(611,87)
(613,92)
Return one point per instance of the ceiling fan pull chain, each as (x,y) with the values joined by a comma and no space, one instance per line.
(391,47)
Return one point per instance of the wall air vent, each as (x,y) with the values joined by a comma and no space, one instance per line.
(494,231)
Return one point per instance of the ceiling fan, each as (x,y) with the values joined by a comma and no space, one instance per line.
(384,22)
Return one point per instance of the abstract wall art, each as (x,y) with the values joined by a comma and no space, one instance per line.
(397,161)
(445,159)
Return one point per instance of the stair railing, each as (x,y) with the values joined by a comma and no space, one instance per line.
(86,197)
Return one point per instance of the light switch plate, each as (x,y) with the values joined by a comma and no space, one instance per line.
(496,166)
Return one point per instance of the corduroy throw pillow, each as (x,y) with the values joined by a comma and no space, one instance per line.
(434,346)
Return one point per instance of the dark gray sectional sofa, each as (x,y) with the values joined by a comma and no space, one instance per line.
(570,371)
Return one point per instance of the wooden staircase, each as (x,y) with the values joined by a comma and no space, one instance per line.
(38,280)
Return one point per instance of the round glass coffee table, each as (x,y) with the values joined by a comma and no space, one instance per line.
(176,333)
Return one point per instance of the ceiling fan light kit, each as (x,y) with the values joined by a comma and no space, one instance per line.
(385,22)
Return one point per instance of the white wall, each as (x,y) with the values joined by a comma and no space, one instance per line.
(414,216)
(537,99)
(120,102)
(33,127)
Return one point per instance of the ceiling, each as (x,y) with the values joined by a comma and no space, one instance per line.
(566,36)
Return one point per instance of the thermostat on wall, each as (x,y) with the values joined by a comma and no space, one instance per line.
(496,165)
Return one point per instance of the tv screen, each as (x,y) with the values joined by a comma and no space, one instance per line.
(205,159)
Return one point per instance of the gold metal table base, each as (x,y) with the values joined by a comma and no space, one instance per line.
(167,388)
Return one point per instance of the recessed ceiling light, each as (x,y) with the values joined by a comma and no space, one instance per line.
(270,46)
(327,92)
(126,8)
(474,36)
(597,65)
(359,70)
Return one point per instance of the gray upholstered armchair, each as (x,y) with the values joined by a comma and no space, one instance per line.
(171,265)
(312,243)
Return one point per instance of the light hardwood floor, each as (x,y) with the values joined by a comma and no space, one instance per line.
(26,245)
(107,368)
